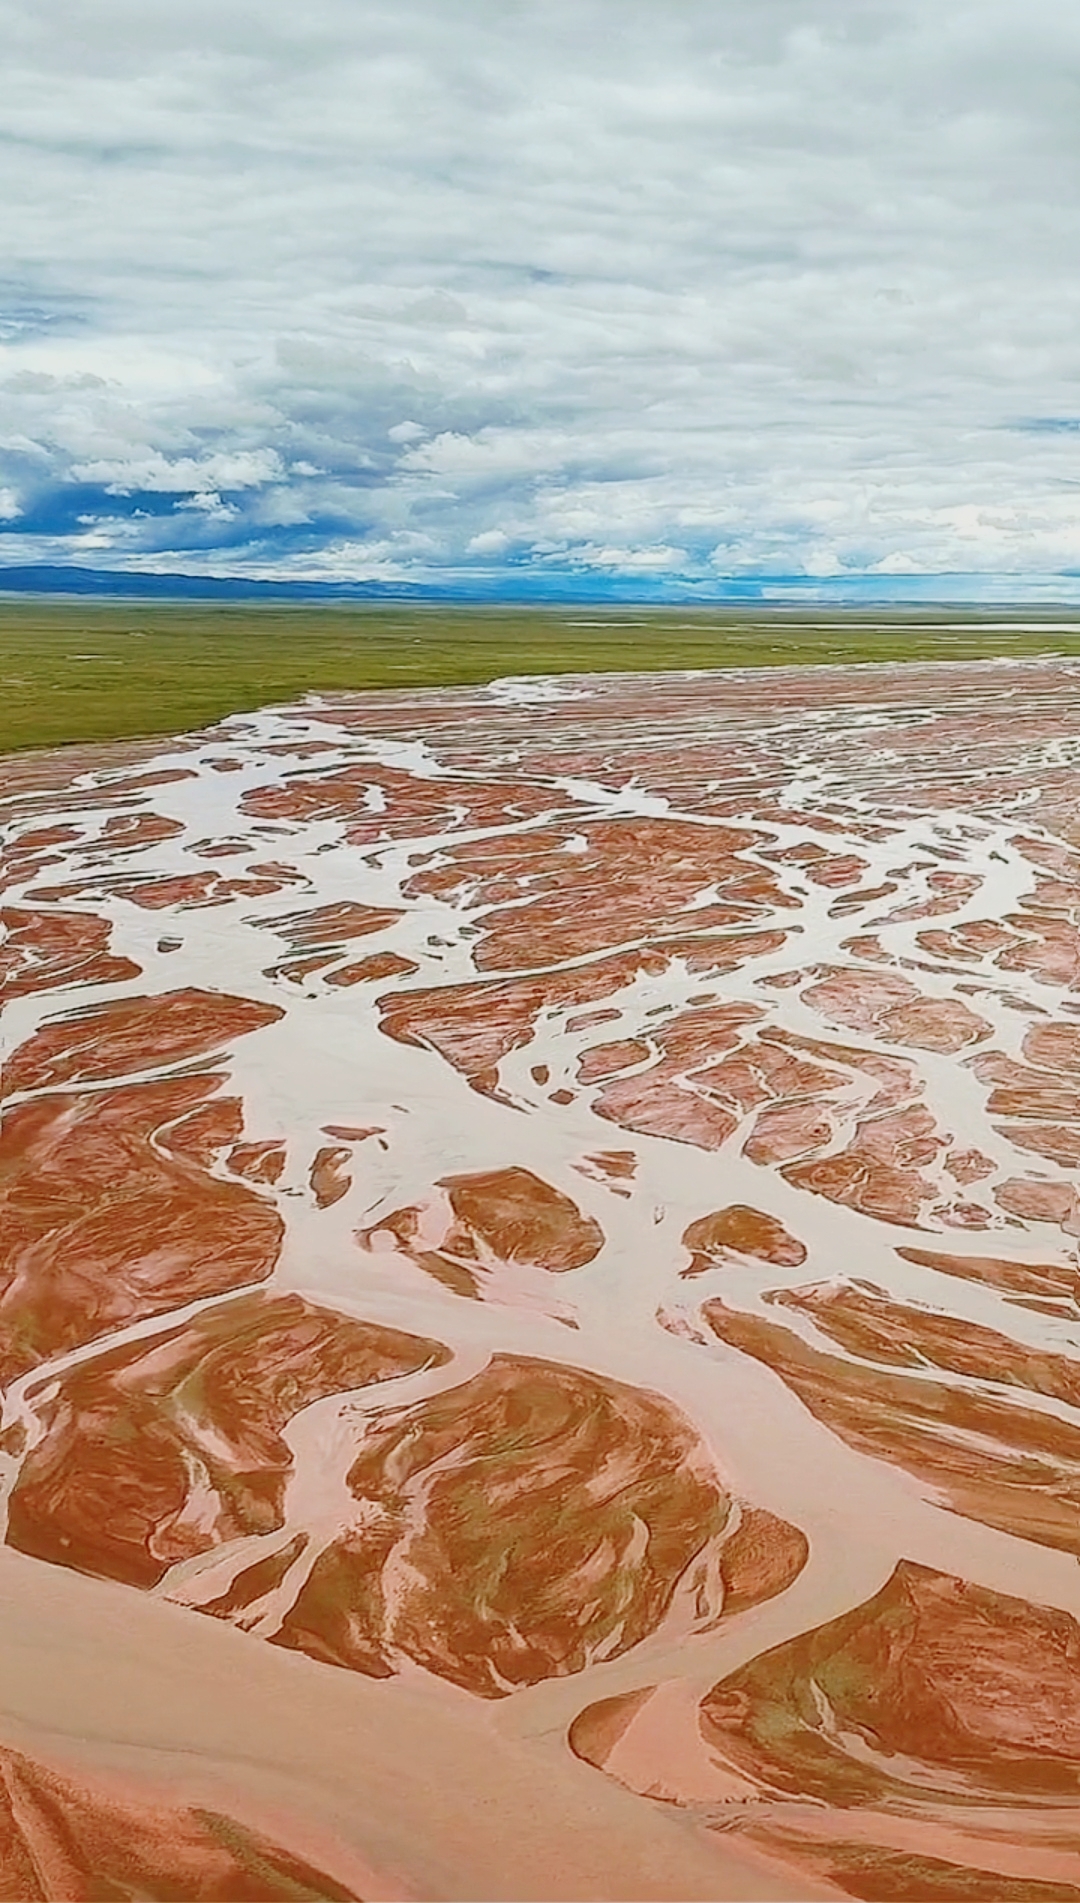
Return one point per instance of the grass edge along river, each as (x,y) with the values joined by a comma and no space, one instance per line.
(75,672)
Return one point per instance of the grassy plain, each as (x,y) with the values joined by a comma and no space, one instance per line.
(82,671)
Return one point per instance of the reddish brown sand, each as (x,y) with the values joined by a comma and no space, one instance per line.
(258,1162)
(651,871)
(892,1008)
(417,807)
(740,1231)
(318,938)
(922,1677)
(616,1166)
(65,1841)
(43,950)
(386,964)
(25,854)
(164,1448)
(184,891)
(139,1034)
(1037,1201)
(475,1026)
(896,1750)
(495,1217)
(1028,1284)
(1014,1467)
(106,1218)
(520,1218)
(723,1542)
(331,924)
(491,1509)
(330,1177)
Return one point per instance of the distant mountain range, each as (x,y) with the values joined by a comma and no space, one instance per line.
(525,586)
(45,579)
(510,586)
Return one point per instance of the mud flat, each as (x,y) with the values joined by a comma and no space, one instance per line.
(540,1295)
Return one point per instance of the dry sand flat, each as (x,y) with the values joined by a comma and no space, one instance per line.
(539,1295)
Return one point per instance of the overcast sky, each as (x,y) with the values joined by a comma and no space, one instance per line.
(439,288)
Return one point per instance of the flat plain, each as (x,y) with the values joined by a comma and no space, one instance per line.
(539,1275)
(101,670)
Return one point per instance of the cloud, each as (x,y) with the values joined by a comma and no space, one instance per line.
(228,469)
(711,291)
(622,561)
(406,432)
(488,542)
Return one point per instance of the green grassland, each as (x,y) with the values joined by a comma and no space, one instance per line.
(74,671)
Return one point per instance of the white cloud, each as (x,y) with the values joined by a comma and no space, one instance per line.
(151,471)
(209,504)
(488,542)
(624,561)
(715,289)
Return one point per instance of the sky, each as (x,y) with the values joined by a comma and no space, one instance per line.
(501,294)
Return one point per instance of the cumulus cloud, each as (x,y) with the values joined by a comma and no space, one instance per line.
(712,292)
(200,476)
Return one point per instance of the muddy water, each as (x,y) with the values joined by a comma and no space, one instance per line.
(831,922)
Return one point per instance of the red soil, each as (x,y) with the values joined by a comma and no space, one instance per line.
(474,1026)
(132,1034)
(616,1168)
(331,925)
(880,1171)
(987,1456)
(887,1006)
(740,1230)
(762,1558)
(513,1529)
(385,964)
(1044,1092)
(1041,1202)
(634,880)
(942,1687)
(1054,1284)
(30,779)
(45,950)
(316,938)
(606,1060)
(414,806)
(27,853)
(68,1840)
(675,1098)
(169,1445)
(823,867)
(133,832)
(330,1177)
(495,1216)
(258,1162)
(1028,940)
(520,1218)
(883,1874)
(204,1134)
(109,1215)
(202,888)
